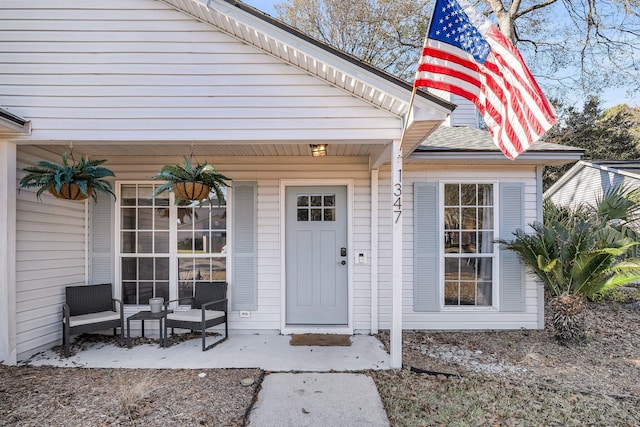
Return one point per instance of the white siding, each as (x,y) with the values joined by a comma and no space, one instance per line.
(452,319)
(50,255)
(267,172)
(465,113)
(587,185)
(139,70)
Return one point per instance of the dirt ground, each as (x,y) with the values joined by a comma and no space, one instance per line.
(499,378)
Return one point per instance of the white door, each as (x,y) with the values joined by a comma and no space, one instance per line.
(316,256)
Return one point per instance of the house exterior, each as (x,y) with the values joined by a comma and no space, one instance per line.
(390,230)
(588,181)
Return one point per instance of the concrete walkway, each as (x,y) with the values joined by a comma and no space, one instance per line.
(318,399)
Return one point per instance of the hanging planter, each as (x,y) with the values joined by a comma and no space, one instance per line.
(69,180)
(70,191)
(192,184)
(191,190)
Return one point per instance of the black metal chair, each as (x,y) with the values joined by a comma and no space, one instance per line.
(208,308)
(90,308)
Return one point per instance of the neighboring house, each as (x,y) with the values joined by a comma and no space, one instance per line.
(587,181)
(304,243)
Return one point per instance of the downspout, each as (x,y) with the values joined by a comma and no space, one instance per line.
(374,251)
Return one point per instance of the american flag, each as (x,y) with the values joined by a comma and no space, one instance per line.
(465,54)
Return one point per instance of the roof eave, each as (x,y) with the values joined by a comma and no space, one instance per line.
(14,122)
(548,158)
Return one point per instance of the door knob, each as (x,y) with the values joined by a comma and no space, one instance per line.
(343,262)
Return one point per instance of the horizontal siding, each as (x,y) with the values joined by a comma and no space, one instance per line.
(50,255)
(465,113)
(449,319)
(143,71)
(588,185)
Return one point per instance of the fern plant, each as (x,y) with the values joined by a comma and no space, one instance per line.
(86,174)
(187,172)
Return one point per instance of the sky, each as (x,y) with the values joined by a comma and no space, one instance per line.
(609,98)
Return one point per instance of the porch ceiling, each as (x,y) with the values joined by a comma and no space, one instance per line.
(203,149)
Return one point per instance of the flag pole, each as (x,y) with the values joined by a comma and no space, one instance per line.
(409,110)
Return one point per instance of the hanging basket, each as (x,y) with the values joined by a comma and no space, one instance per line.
(70,191)
(195,191)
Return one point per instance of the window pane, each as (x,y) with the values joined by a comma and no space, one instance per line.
(330,200)
(146,291)
(468,268)
(128,242)
(129,269)
(128,219)
(451,269)
(485,218)
(219,269)
(467,293)
(452,241)
(185,217)
(218,218)
(145,242)
(484,293)
(451,194)
(145,219)
(128,195)
(185,290)
(129,292)
(485,269)
(161,220)
(162,290)
(469,245)
(303,215)
(451,218)
(485,194)
(316,214)
(303,200)
(316,200)
(185,269)
(145,271)
(201,218)
(329,214)
(162,268)
(144,195)
(162,243)
(451,293)
(185,242)
(468,194)
(218,242)
(485,242)
(468,218)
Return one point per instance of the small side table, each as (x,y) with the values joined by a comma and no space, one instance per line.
(148,315)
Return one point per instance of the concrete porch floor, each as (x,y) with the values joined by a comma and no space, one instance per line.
(269,352)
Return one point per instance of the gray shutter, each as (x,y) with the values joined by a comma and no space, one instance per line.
(101,261)
(512,272)
(244,289)
(426,289)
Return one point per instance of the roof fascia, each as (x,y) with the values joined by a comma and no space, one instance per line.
(526,157)
(14,122)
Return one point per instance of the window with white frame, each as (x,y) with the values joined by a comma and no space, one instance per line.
(468,234)
(156,233)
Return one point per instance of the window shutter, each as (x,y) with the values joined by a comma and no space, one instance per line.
(512,273)
(244,289)
(101,244)
(426,289)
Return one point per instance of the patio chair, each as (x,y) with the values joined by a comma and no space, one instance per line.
(90,308)
(208,308)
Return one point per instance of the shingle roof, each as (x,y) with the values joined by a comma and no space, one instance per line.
(464,138)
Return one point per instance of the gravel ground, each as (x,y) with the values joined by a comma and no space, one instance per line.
(520,377)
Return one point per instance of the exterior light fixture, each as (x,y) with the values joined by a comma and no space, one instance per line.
(318,150)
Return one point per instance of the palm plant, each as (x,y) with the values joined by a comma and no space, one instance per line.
(69,179)
(179,179)
(580,252)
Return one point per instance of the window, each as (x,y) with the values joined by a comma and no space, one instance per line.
(468,236)
(155,234)
(316,207)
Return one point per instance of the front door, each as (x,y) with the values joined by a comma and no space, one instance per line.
(316,256)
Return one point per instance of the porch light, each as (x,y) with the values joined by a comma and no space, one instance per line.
(318,150)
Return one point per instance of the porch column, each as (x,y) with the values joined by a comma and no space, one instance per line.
(396,266)
(8,353)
